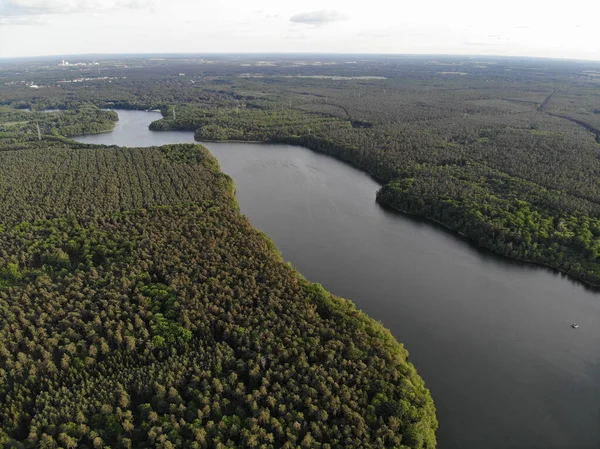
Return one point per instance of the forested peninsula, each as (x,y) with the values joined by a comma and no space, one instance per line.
(139,308)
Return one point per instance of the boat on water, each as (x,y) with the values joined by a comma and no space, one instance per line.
(575,326)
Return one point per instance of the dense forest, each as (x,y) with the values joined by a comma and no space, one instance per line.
(139,308)
(504,151)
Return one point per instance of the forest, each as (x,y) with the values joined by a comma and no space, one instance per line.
(85,119)
(503,151)
(139,308)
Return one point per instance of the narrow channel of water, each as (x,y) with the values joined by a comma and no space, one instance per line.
(490,336)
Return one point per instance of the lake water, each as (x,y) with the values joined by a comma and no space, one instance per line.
(490,336)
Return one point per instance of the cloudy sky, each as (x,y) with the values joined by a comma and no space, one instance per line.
(510,27)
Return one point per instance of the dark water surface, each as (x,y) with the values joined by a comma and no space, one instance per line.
(491,337)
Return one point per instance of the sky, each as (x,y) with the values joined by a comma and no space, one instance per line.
(542,28)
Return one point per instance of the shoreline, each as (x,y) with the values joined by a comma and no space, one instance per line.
(92,133)
(587,284)
(233,141)
(595,286)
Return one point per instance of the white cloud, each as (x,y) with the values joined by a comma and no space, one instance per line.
(318,17)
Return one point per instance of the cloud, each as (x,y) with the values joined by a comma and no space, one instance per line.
(318,17)
(20,8)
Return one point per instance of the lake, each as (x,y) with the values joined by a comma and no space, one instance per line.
(490,336)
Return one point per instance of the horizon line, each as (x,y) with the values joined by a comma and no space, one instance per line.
(233,53)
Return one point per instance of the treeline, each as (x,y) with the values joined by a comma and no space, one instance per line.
(84,120)
(58,180)
(120,94)
(139,308)
(246,124)
(508,215)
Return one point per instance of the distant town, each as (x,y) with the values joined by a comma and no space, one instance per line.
(64,63)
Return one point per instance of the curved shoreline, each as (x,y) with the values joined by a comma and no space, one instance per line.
(296,141)
(92,133)
(587,284)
